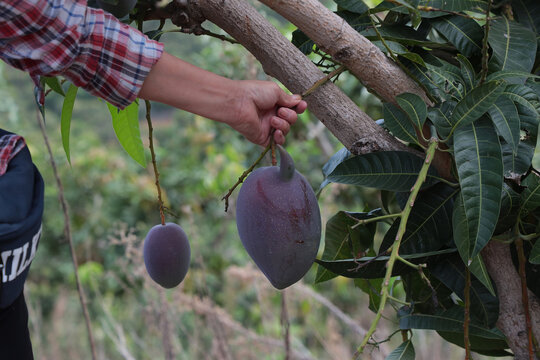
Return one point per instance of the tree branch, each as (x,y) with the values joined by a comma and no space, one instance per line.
(282,60)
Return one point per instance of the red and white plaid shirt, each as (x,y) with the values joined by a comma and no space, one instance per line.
(88,46)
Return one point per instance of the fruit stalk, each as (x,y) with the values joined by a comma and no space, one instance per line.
(154,163)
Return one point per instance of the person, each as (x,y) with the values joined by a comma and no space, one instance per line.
(117,63)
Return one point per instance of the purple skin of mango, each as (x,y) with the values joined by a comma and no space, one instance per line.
(279,222)
(167,254)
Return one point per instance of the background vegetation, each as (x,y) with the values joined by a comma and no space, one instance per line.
(224,309)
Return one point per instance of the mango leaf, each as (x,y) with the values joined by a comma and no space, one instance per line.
(516,164)
(429,227)
(449,5)
(395,47)
(355,6)
(523,95)
(424,76)
(385,170)
(514,45)
(467,72)
(302,42)
(405,351)
(427,299)
(342,241)
(504,115)
(440,116)
(414,57)
(54,84)
(534,256)
(528,13)
(450,320)
(510,204)
(370,267)
(464,33)
(530,197)
(415,108)
(126,127)
(475,104)
(372,287)
(448,79)
(336,159)
(398,123)
(479,270)
(484,306)
(356,21)
(480,345)
(479,164)
(405,35)
(508,74)
(65,118)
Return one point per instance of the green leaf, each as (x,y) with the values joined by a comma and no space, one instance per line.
(385,170)
(54,84)
(530,197)
(514,45)
(395,47)
(356,21)
(440,116)
(331,164)
(464,33)
(517,163)
(510,205)
(415,108)
(398,123)
(504,115)
(302,42)
(449,5)
(480,345)
(484,306)
(448,79)
(479,164)
(479,270)
(126,127)
(534,256)
(528,13)
(65,118)
(414,57)
(405,351)
(467,72)
(399,33)
(355,6)
(424,76)
(450,320)
(523,95)
(370,267)
(508,74)
(342,241)
(372,287)
(429,227)
(475,104)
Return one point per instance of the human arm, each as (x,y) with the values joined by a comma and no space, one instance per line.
(250,107)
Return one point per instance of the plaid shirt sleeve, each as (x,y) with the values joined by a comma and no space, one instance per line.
(88,46)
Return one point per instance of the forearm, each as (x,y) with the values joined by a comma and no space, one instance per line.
(175,82)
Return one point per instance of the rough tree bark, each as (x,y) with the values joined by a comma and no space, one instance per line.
(338,39)
(341,116)
(282,60)
(511,311)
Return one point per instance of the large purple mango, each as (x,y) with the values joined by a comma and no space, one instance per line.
(279,221)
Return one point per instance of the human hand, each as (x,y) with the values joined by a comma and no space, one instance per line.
(261,106)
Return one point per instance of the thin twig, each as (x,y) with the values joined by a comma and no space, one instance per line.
(285,324)
(243,177)
(322,81)
(67,234)
(485,47)
(467,317)
(430,152)
(154,163)
(525,294)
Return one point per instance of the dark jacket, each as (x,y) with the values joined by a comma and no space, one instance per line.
(21,210)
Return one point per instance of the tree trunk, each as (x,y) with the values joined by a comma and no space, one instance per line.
(282,60)
(511,320)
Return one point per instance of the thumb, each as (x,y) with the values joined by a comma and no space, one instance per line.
(287,100)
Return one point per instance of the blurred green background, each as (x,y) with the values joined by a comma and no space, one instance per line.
(225,308)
